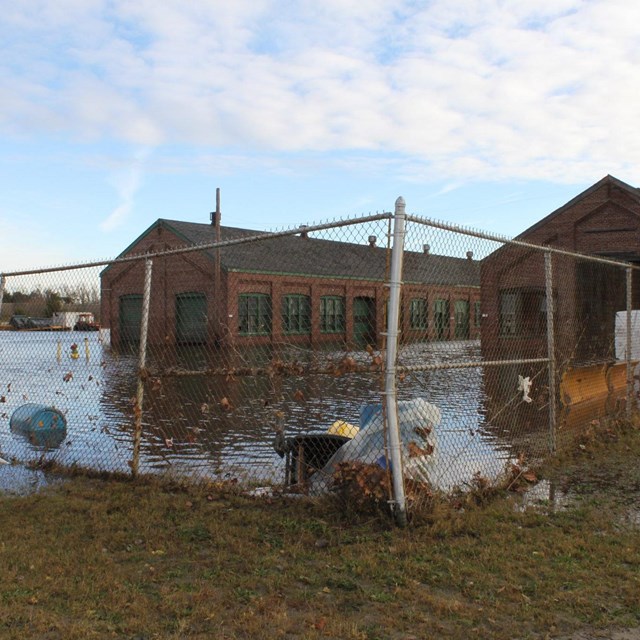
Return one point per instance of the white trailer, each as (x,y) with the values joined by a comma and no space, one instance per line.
(68,319)
(621,335)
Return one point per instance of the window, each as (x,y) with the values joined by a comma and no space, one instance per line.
(523,312)
(441,319)
(191,318)
(477,314)
(296,314)
(254,314)
(508,313)
(418,313)
(130,317)
(332,314)
(461,316)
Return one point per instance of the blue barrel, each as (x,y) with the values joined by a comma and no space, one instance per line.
(43,426)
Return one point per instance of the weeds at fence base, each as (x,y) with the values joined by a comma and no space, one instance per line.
(361,490)
(358,490)
(53,467)
(362,487)
(598,433)
(165,482)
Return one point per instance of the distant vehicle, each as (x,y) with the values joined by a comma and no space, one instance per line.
(68,319)
(27,322)
(19,322)
(86,322)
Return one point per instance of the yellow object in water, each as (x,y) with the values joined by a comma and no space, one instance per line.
(342,428)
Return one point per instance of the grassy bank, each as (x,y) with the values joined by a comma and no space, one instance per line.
(102,559)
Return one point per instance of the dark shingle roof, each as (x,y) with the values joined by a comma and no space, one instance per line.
(324,258)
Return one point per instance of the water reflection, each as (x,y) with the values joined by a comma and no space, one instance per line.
(219,424)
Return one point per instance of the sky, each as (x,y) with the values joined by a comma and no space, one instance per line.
(488,114)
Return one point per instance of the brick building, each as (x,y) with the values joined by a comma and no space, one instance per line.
(603,220)
(294,288)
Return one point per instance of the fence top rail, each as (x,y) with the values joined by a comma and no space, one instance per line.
(496,237)
(445,226)
(205,247)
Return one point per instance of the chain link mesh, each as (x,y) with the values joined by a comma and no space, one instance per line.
(264,359)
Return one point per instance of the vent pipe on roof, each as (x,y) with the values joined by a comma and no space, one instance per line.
(372,241)
(426,249)
(469,255)
(217,214)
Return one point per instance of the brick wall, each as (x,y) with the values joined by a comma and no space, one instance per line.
(604,220)
(194,273)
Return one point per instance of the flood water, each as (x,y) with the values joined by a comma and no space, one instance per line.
(222,427)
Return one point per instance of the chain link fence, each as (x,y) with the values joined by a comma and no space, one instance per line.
(388,356)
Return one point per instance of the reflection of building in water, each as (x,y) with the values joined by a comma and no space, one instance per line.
(513,415)
(193,416)
(604,221)
(297,289)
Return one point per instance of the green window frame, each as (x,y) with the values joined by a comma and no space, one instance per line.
(461,316)
(296,314)
(130,317)
(254,314)
(509,311)
(477,313)
(418,313)
(332,314)
(191,320)
(441,319)
(523,312)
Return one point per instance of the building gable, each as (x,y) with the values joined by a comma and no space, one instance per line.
(153,240)
(609,203)
(606,190)
(609,229)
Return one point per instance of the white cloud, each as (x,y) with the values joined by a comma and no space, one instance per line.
(457,88)
(126,181)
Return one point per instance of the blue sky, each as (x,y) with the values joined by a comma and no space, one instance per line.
(488,114)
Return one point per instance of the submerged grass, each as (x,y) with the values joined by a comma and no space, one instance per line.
(111,558)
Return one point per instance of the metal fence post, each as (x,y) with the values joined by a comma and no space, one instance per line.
(628,345)
(2,283)
(142,362)
(551,349)
(390,391)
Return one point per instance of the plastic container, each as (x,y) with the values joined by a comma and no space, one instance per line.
(417,422)
(342,428)
(43,426)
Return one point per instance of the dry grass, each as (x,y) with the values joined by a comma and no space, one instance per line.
(113,559)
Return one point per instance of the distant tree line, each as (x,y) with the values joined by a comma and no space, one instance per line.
(50,301)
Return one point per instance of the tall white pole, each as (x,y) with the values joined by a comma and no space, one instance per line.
(391,400)
(142,363)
